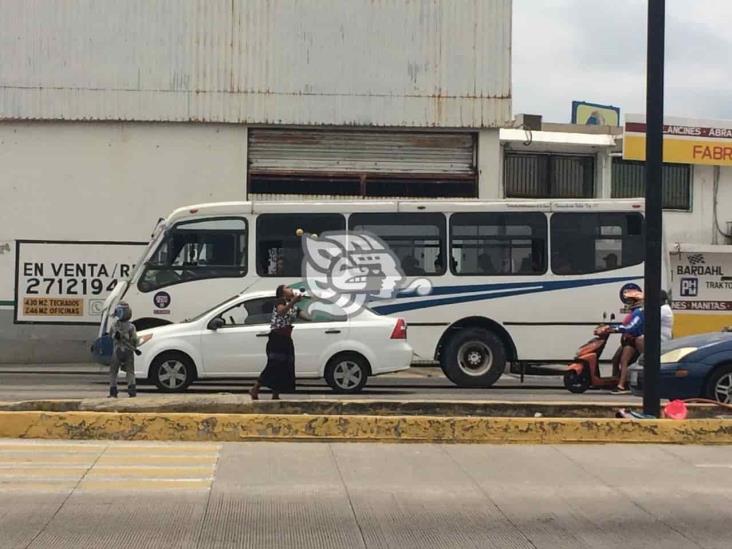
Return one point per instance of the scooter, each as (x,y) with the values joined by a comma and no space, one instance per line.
(584,372)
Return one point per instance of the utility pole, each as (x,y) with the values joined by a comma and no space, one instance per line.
(654,205)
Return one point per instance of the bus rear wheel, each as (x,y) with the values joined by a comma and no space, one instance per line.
(474,358)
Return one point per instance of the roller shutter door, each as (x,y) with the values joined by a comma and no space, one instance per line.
(369,164)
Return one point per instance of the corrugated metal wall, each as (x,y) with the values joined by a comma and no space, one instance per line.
(527,175)
(357,62)
(629,181)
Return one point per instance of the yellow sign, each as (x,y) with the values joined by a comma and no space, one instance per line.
(53,306)
(685,141)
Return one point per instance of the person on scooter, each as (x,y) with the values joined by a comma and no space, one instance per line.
(630,329)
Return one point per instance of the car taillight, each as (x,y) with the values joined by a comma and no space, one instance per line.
(400,330)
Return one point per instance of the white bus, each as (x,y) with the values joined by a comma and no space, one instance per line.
(525,283)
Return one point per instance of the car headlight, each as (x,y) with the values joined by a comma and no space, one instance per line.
(676,354)
(144,339)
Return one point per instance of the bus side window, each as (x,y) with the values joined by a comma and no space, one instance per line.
(417,239)
(195,250)
(584,243)
(494,244)
(279,249)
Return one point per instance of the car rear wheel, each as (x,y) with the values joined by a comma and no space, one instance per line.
(719,387)
(172,372)
(347,373)
(474,358)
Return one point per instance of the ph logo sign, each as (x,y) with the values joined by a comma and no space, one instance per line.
(689,287)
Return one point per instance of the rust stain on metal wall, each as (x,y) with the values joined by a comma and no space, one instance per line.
(386,63)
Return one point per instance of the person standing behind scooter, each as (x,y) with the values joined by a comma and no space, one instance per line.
(126,342)
(667,323)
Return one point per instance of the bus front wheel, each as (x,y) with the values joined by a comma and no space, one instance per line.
(474,357)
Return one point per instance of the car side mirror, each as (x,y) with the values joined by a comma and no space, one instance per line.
(216,323)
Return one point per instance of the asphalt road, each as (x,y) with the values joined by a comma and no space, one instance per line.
(76,495)
(27,382)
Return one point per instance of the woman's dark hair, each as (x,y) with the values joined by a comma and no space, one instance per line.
(280,292)
(664,297)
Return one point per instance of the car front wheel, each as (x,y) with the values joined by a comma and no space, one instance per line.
(172,372)
(719,387)
(347,373)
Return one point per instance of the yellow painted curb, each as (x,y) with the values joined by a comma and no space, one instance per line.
(243,427)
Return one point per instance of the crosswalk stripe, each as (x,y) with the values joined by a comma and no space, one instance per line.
(108,460)
(108,466)
(136,485)
(151,472)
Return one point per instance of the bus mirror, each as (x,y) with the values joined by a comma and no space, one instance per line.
(612,317)
(216,323)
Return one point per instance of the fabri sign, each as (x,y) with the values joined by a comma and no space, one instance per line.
(60,282)
(685,140)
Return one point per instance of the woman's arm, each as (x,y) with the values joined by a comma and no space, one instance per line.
(283,308)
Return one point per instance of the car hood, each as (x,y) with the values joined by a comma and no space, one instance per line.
(700,341)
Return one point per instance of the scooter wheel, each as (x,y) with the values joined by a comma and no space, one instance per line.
(576,383)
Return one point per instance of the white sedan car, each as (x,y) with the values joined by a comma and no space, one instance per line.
(228,341)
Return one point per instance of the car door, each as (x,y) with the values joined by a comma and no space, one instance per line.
(312,337)
(238,348)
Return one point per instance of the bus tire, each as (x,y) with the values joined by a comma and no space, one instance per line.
(474,357)
(172,372)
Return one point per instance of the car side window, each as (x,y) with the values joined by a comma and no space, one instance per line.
(235,316)
(260,310)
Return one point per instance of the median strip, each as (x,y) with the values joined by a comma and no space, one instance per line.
(357,428)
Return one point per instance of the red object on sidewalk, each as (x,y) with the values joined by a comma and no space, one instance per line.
(676,409)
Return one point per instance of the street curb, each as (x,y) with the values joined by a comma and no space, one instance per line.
(242,404)
(358,428)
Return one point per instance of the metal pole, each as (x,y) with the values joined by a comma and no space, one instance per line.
(654,219)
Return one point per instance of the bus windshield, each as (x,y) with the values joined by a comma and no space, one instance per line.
(157,235)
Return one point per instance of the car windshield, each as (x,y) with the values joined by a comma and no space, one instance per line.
(207,311)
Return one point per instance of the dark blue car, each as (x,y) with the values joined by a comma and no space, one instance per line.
(697,366)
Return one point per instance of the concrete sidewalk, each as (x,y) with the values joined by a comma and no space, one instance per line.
(261,495)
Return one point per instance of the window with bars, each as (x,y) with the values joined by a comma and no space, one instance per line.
(548,176)
(629,181)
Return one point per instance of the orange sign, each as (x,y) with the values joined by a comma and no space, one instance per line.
(685,141)
(53,306)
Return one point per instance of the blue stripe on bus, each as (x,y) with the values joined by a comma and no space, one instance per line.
(519,288)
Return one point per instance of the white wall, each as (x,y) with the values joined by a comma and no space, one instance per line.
(490,165)
(697,226)
(103,181)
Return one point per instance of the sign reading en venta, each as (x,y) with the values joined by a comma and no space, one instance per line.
(685,140)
